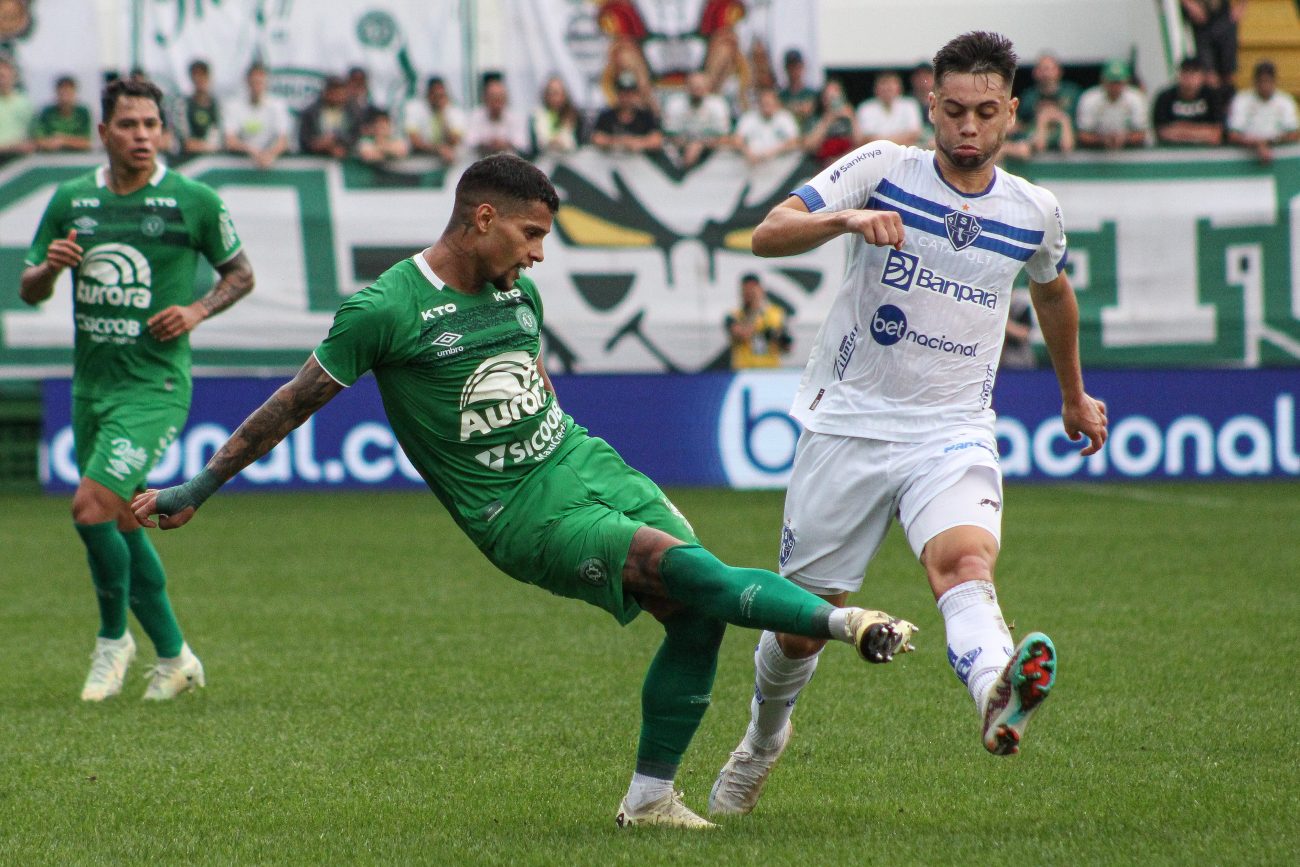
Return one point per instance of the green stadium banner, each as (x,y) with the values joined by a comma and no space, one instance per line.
(1179,258)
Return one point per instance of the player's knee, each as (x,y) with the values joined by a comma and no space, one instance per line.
(960,569)
(799,646)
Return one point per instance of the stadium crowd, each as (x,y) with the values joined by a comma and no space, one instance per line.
(746,106)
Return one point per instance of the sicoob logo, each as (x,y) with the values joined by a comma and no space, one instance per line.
(888,325)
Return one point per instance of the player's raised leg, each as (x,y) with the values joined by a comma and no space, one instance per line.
(1007,685)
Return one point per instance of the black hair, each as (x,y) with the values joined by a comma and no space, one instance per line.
(433,79)
(1264,67)
(979,53)
(65,79)
(199,66)
(505,177)
(123,88)
(751,277)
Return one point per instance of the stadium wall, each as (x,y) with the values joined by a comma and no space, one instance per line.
(731,430)
(1180,258)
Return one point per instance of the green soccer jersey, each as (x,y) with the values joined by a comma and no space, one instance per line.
(140,254)
(459,379)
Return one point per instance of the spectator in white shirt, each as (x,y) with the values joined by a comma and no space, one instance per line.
(1112,115)
(433,124)
(258,124)
(555,121)
(1263,116)
(889,114)
(767,131)
(696,121)
(493,127)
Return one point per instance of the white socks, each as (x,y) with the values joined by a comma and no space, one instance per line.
(979,644)
(777,682)
(646,790)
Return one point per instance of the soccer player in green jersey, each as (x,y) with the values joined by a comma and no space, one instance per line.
(132,232)
(453,338)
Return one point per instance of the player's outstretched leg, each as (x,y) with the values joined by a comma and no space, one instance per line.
(760,599)
(1020,690)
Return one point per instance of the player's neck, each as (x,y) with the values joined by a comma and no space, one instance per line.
(969,181)
(123,181)
(454,266)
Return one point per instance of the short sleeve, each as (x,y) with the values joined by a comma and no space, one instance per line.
(1289,120)
(217,239)
(49,228)
(849,182)
(360,338)
(1050,257)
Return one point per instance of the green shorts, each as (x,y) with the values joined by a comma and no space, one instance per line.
(569,533)
(119,438)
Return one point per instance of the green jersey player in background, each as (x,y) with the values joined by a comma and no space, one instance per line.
(132,232)
(452,335)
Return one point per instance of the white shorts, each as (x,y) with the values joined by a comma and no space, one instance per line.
(845,491)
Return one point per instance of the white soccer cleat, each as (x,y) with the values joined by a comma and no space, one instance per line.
(108,664)
(741,780)
(171,677)
(667,812)
(1018,691)
(878,636)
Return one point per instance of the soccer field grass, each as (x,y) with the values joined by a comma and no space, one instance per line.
(379,694)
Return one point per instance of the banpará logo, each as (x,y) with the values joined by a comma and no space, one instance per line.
(904,270)
(889,325)
(900,270)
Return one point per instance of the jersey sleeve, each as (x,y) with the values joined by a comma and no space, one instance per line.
(49,228)
(1051,256)
(217,239)
(360,338)
(849,182)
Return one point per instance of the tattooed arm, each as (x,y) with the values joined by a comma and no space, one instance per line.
(291,405)
(235,281)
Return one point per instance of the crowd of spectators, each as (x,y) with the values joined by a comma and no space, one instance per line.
(761,114)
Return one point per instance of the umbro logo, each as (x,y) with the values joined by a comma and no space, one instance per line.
(447,338)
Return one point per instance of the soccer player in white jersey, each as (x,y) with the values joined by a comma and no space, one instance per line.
(895,400)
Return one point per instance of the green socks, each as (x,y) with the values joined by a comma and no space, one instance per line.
(746,597)
(148,596)
(110,570)
(677,691)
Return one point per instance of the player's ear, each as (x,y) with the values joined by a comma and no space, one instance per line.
(484,216)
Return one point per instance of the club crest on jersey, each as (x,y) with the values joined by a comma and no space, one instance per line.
(963,229)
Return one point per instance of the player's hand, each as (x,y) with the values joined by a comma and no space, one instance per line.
(146,504)
(175,320)
(1085,417)
(880,228)
(64,252)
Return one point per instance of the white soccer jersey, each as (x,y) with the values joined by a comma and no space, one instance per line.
(912,340)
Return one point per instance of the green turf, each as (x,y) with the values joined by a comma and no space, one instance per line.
(379,694)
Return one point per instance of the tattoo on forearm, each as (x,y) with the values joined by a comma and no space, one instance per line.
(236,282)
(291,405)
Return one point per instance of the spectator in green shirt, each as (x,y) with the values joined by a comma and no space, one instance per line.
(15,112)
(65,124)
